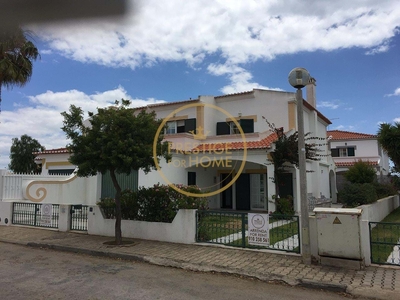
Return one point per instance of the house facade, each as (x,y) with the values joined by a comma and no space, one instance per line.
(349,147)
(231,165)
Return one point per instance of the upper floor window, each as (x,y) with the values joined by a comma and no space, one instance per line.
(180,126)
(343,152)
(231,128)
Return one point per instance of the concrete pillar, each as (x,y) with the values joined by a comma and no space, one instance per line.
(5,213)
(64,220)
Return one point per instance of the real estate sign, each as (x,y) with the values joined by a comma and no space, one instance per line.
(47,212)
(258,228)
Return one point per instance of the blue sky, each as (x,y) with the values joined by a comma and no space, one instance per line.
(182,49)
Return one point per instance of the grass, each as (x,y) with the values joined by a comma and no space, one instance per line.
(213,226)
(276,234)
(384,236)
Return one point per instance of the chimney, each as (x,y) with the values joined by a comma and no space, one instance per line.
(310,88)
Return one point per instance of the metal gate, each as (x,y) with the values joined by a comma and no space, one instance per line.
(385,243)
(79,217)
(231,229)
(30,214)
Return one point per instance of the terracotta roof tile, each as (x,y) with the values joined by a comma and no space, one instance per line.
(251,145)
(351,163)
(348,135)
(52,151)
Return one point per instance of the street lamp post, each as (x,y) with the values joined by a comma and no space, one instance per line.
(299,78)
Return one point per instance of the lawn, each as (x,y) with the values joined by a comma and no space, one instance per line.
(227,227)
(384,235)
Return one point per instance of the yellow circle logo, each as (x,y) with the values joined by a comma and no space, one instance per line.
(205,161)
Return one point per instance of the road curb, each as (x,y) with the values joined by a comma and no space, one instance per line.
(312,284)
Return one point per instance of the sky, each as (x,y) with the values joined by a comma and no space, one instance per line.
(175,50)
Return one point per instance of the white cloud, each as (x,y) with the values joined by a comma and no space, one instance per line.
(239,78)
(327,104)
(345,127)
(239,31)
(395,93)
(42,119)
(396,120)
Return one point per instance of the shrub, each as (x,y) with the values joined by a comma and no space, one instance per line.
(353,195)
(284,206)
(159,203)
(361,172)
(385,189)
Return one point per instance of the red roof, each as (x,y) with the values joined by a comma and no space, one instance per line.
(351,163)
(53,151)
(348,135)
(261,144)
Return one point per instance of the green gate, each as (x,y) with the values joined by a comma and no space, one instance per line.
(79,217)
(231,229)
(385,243)
(30,214)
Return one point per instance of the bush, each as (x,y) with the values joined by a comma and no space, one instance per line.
(159,203)
(385,189)
(353,195)
(361,172)
(284,206)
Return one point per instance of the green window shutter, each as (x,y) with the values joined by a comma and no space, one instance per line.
(125,181)
(190,125)
(350,151)
(247,125)
(223,128)
(335,152)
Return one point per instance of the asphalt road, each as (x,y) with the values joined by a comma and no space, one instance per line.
(30,273)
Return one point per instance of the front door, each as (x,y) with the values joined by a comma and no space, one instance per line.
(226,196)
(243,192)
(285,185)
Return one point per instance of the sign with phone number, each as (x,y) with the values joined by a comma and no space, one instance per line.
(258,226)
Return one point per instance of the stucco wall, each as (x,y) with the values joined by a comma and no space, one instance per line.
(181,230)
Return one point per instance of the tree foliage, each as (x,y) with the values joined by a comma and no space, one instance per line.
(118,139)
(21,155)
(286,153)
(361,172)
(389,139)
(16,56)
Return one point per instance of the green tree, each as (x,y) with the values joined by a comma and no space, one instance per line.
(16,56)
(389,139)
(286,153)
(118,139)
(21,155)
(361,172)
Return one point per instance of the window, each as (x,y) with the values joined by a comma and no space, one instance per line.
(224,128)
(180,126)
(343,152)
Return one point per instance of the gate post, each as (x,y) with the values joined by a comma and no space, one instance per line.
(64,217)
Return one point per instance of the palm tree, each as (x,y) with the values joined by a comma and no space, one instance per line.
(16,56)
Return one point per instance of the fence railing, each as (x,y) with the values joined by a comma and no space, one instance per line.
(231,229)
(30,214)
(385,243)
(79,217)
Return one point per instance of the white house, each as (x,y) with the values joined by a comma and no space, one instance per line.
(349,147)
(54,162)
(233,168)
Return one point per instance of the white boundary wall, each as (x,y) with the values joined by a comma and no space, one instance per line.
(374,212)
(181,230)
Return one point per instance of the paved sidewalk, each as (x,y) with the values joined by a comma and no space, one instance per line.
(373,282)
